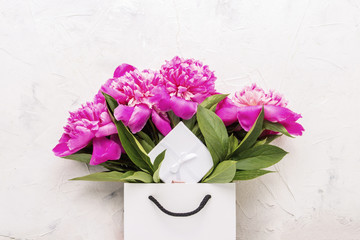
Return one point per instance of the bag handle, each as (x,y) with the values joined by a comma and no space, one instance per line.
(186,214)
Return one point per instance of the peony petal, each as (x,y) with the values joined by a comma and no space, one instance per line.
(200,97)
(183,108)
(280,114)
(227,111)
(247,116)
(162,124)
(106,130)
(115,138)
(123,113)
(61,150)
(120,97)
(105,118)
(293,128)
(122,69)
(139,118)
(81,140)
(104,149)
(161,99)
(64,138)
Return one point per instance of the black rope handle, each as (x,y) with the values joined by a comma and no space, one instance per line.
(186,214)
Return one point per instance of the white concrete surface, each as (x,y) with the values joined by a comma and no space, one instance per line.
(54,55)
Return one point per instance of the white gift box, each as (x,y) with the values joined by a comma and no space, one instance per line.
(179,211)
(187,159)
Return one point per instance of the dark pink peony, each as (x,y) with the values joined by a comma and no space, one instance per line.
(140,95)
(246,105)
(188,82)
(89,123)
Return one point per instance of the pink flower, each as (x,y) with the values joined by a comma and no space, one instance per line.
(254,95)
(140,95)
(246,105)
(89,123)
(188,83)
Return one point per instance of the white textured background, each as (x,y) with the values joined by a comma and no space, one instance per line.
(54,55)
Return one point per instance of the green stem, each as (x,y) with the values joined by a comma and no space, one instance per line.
(154,131)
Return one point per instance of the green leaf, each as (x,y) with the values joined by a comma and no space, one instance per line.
(212,101)
(160,137)
(105,176)
(190,123)
(150,133)
(157,164)
(223,173)
(156,177)
(158,160)
(262,156)
(207,174)
(81,157)
(133,148)
(173,118)
(252,135)
(276,127)
(196,131)
(214,132)
(114,168)
(233,143)
(146,138)
(110,102)
(139,176)
(271,138)
(249,174)
(145,145)
(122,165)
(260,142)
(114,176)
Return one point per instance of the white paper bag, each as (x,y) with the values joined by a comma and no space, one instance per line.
(212,210)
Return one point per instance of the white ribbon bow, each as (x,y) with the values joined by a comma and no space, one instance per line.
(184,157)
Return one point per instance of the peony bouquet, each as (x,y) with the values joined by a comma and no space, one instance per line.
(135,111)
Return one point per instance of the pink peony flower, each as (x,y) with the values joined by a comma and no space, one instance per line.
(89,123)
(188,82)
(246,105)
(254,95)
(140,95)
(119,71)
